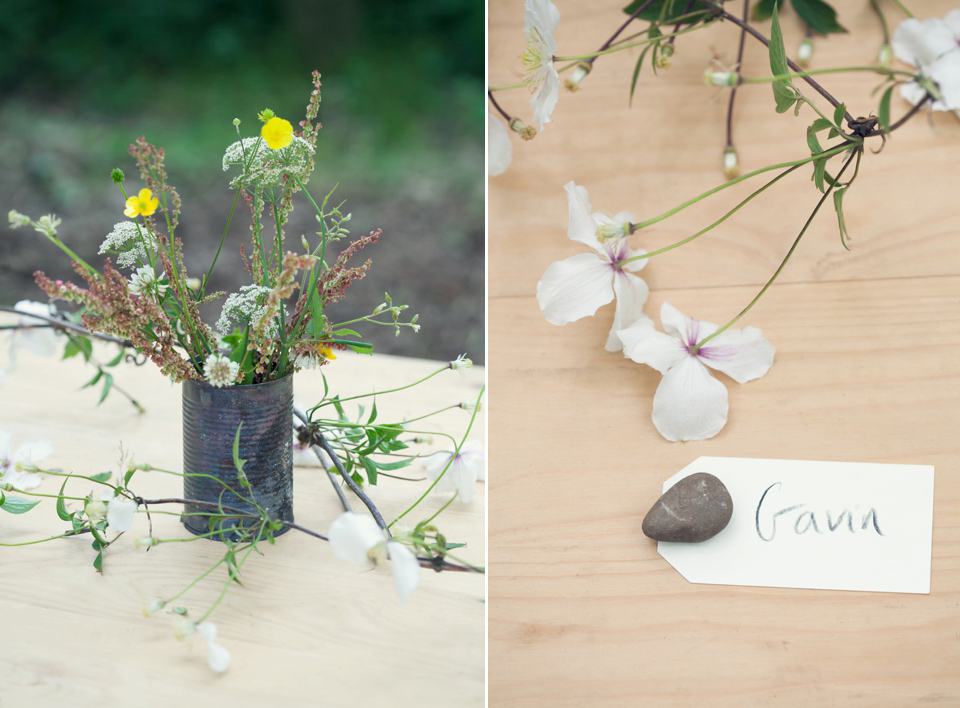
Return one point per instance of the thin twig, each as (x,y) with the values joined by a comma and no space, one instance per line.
(733,90)
(57,323)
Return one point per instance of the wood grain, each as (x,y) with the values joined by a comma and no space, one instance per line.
(306,629)
(583,611)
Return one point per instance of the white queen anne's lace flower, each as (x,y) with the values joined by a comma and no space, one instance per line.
(358,539)
(580,285)
(241,307)
(17,467)
(125,240)
(266,166)
(539,23)
(933,47)
(689,403)
(219,371)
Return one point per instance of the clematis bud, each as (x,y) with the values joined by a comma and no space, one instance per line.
(522,129)
(731,167)
(579,74)
(720,78)
(805,52)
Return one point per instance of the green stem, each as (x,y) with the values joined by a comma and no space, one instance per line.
(833,70)
(783,263)
(903,9)
(627,45)
(690,202)
(715,223)
(456,452)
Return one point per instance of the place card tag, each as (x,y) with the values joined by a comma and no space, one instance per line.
(822,525)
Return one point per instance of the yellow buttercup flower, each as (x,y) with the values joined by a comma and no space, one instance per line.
(144,204)
(277,132)
(327,352)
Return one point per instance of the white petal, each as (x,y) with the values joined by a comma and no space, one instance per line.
(686,329)
(207,630)
(352,536)
(575,288)
(120,513)
(581,226)
(218,657)
(6,448)
(689,403)
(952,20)
(544,15)
(743,355)
(33,450)
(921,43)
(946,72)
(545,98)
(631,293)
(645,345)
(406,569)
(499,150)
(21,479)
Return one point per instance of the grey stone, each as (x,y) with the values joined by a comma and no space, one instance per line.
(695,509)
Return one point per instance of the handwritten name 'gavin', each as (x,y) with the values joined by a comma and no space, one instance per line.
(806,520)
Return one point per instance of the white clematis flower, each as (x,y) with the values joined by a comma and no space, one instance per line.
(539,23)
(689,403)
(933,47)
(18,467)
(120,512)
(582,284)
(499,150)
(464,471)
(358,539)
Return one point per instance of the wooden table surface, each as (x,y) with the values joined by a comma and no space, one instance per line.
(307,629)
(583,610)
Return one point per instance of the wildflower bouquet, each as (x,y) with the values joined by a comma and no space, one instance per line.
(148,299)
(690,404)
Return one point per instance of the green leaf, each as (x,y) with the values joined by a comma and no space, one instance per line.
(784,93)
(71,349)
(883,114)
(62,504)
(832,134)
(373,413)
(100,477)
(94,380)
(818,125)
(819,167)
(98,562)
(812,141)
(839,114)
(17,505)
(371,468)
(238,463)
(128,476)
(818,15)
(117,359)
(763,9)
(316,314)
(636,72)
(666,10)
(361,347)
(107,385)
(838,205)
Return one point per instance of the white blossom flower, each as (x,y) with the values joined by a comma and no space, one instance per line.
(499,150)
(127,241)
(358,539)
(689,403)
(40,340)
(539,23)
(18,468)
(580,285)
(933,47)
(217,656)
(465,469)
(145,279)
(219,371)
(120,511)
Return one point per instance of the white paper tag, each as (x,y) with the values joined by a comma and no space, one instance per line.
(824,525)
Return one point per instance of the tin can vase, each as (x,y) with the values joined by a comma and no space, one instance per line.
(211,417)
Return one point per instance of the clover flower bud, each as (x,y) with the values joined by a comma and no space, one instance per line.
(720,78)
(731,166)
(525,131)
(579,74)
(885,55)
(153,608)
(117,175)
(17,219)
(805,52)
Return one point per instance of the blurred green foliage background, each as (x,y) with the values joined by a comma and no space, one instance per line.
(402,139)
